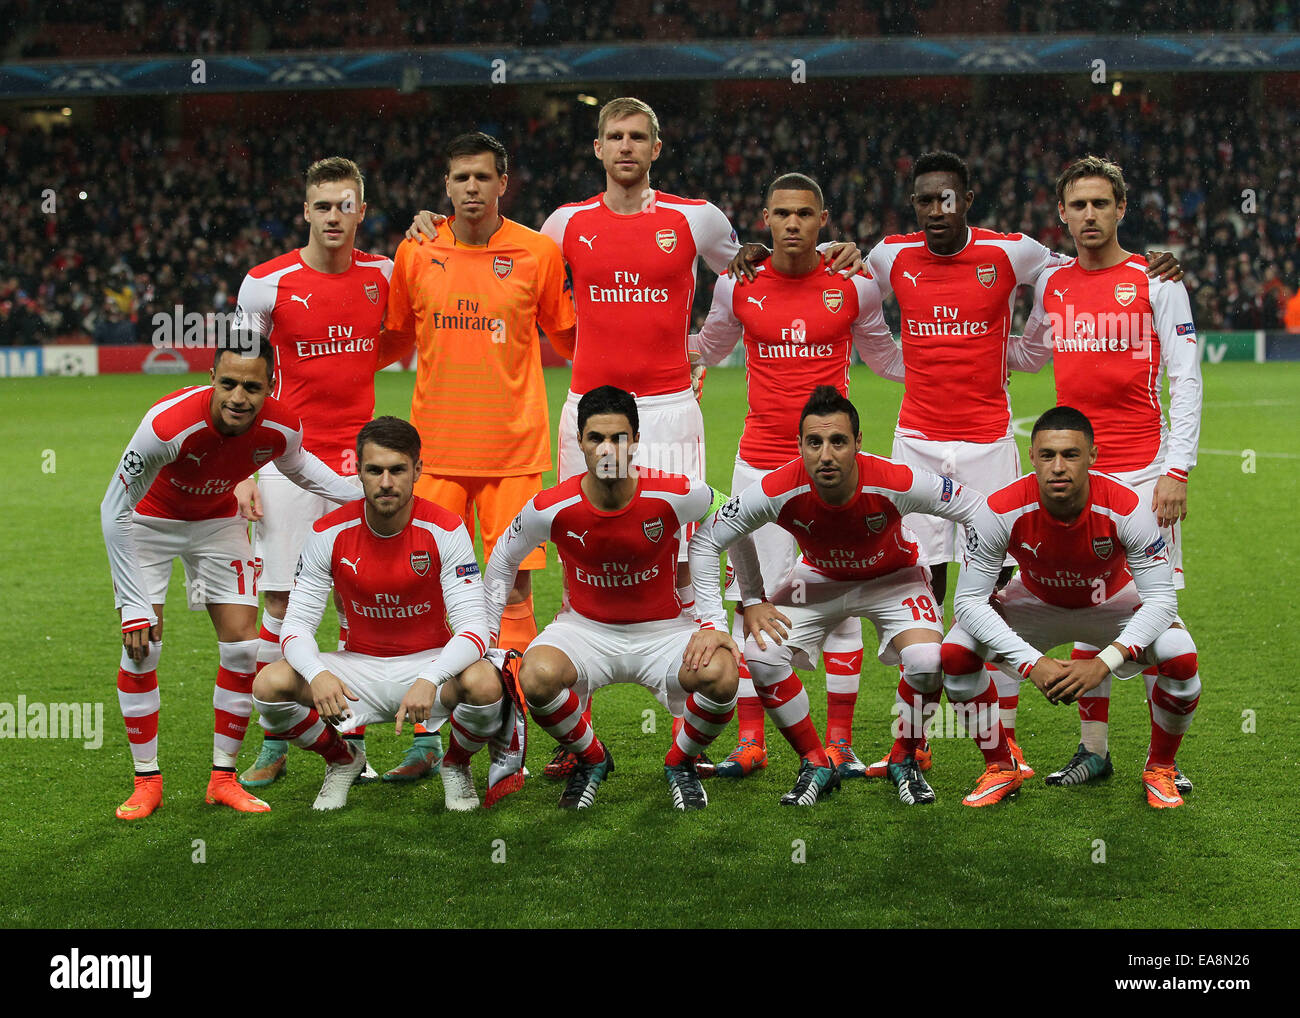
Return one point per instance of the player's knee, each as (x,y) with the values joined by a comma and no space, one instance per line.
(277,602)
(541,676)
(922,666)
(274,682)
(1176,653)
(480,684)
(719,679)
(956,659)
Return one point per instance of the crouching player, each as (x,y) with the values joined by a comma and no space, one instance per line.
(616,528)
(858,560)
(406,573)
(1093,568)
(172,496)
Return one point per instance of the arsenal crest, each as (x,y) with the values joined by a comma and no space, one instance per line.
(876,522)
(833,299)
(667,240)
(502,265)
(420,562)
(261,455)
(987,274)
(654,529)
(372,292)
(1103,546)
(1125,293)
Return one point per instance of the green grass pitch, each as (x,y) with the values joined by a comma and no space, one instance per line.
(1090,857)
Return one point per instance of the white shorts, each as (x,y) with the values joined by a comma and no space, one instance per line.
(288,513)
(647,653)
(815,606)
(381,683)
(984,467)
(1045,626)
(220,567)
(1144,483)
(777,552)
(672,440)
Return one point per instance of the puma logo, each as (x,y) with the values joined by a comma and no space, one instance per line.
(580,538)
(303,299)
(353,565)
(196,459)
(1033,548)
(913,278)
(589,248)
(1060,294)
(807,527)
(758,301)
(434,261)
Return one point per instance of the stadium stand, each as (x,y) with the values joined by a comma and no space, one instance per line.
(179,219)
(116,28)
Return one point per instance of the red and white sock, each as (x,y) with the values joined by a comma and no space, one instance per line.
(137,695)
(703,720)
(268,641)
(292,722)
(564,721)
(842,655)
(1094,707)
(232,700)
(749,709)
(786,702)
(1175,696)
(1008,687)
(974,700)
(919,687)
(471,727)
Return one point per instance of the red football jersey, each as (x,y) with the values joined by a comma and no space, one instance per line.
(179,467)
(1115,333)
(633,284)
(956,320)
(1074,565)
(619,567)
(325,329)
(797,331)
(859,541)
(396,590)
(201,466)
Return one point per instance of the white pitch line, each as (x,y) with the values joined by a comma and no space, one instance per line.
(1242,452)
(1252,402)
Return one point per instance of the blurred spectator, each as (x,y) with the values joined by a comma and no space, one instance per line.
(1293,314)
(171,221)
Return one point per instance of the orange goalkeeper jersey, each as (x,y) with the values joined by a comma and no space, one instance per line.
(473,314)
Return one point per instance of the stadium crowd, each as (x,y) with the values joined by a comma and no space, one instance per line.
(131,27)
(170,221)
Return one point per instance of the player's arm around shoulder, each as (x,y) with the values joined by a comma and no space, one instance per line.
(310,473)
(721,330)
(1030,351)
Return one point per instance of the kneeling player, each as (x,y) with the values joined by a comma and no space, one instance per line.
(1093,568)
(858,560)
(616,528)
(406,572)
(172,496)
